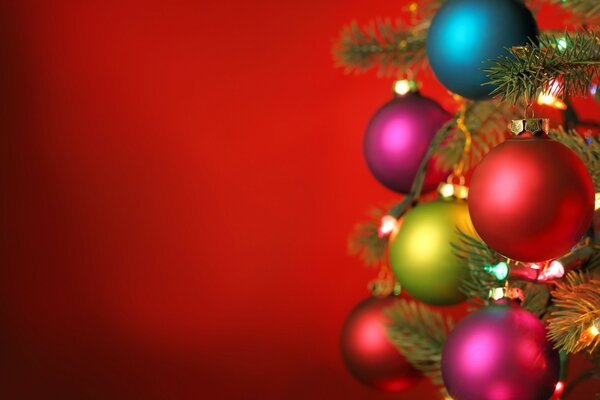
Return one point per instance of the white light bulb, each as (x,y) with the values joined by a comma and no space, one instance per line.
(388,224)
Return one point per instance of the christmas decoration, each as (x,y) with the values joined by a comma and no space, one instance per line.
(421,254)
(367,352)
(398,136)
(531,198)
(500,352)
(465,34)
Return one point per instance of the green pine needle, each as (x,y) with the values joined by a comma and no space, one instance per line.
(571,60)
(576,307)
(588,151)
(487,122)
(477,284)
(365,241)
(419,334)
(392,47)
(583,11)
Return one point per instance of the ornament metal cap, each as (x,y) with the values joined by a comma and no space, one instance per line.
(450,189)
(505,292)
(535,126)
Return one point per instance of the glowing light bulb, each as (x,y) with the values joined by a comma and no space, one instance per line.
(554,271)
(446,190)
(548,98)
(534,266)
(500,270)
(403,87)
(388,224)
(597,201)
(561,43)
(593,89)
(496,293)
(559,388)
(588,335)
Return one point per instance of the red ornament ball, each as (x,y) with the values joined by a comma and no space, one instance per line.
(369,355)
(500,353)
(531,198)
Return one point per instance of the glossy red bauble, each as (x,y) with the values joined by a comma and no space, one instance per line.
(531,198)
(367,352)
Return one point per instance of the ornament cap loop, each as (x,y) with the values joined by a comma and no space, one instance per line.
(535,126)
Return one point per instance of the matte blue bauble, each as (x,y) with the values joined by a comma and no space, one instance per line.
(465,34)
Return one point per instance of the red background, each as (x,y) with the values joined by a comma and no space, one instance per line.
(179,179)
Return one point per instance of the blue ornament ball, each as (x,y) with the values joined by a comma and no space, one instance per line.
(465,34)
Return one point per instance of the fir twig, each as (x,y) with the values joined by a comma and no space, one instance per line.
(365,242)
(487,122)
(419,334)
(478,282)
(583,11)
(576,307)
(561,64)
(537,297)
(393,47)
(587,149)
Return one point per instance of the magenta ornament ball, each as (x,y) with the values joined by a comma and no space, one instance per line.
(500,353)
(397,139)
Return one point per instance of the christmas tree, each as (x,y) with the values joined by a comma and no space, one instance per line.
(513,227)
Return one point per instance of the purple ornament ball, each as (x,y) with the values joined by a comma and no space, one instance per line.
(397,139)
(500,353)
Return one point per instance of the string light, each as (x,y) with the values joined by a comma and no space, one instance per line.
(404,86)
(500,270)
(554,271)
(588,335)
(559,389)
(388,224)
(597,201)
(561,43)
(496,293)
(548,97)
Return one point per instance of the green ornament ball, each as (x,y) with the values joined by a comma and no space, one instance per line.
(421,254)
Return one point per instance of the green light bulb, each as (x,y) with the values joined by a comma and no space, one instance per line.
(500,270)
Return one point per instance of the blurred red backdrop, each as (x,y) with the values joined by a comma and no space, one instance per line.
(179,179)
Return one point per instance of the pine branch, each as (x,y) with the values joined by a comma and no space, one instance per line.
(570,60)
(365,242)
(583,11)
(576,307)
(587,149)
(477,284)
(419,334)
(537,297)
(392,47)
(487,123)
